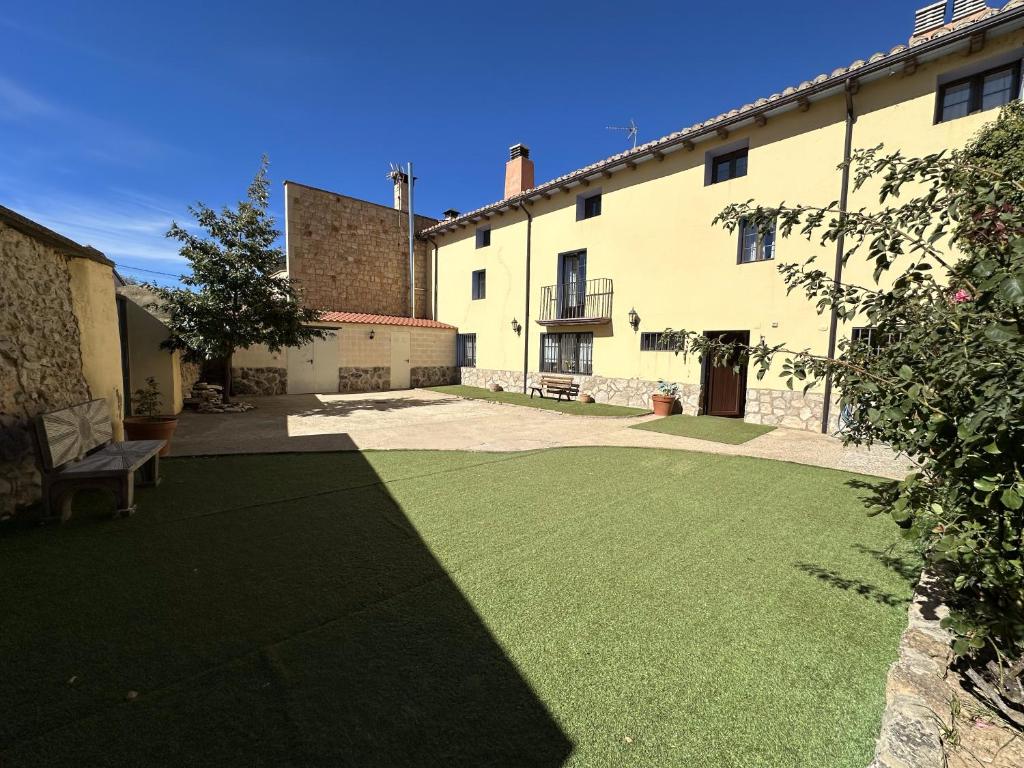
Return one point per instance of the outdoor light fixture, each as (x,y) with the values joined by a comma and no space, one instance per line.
(634,320)
(372,334)
(516,327)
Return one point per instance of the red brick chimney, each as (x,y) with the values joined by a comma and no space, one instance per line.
(518,171)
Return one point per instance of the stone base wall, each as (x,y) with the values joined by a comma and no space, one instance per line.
(635,393)
(433,375)
(189,376)
(40,357)
(375,379)
(259,381)
(789,408)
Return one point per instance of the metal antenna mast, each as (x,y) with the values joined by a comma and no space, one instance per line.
(412,250)
(630,130)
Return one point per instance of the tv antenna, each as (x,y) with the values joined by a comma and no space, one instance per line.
(630,130)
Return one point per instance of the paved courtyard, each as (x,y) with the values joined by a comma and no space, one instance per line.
(420,419)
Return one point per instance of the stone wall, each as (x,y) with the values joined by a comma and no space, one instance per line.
(789,408)
(351,255)
(259,381)
(635,393)
(433,375)
(370,379)
(40,356)
(189,375)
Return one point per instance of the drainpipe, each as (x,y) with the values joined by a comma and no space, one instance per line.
(433,242)
(844,199)
(526,313)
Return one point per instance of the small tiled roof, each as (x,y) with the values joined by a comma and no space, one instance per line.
(919,45)
(360,317)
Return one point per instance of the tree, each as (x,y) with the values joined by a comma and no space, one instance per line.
(234,296)
(947,386)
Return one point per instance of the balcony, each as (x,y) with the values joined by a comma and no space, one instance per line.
(584,303)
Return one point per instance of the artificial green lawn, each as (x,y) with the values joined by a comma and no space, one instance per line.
(713,428)
(573,407)
(583,607)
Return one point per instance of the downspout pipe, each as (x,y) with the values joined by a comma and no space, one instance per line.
(433,242)
(526,311)
(837,279)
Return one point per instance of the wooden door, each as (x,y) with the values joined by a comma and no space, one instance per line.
(400,360)
(301,379)
(313,367)
(725,388)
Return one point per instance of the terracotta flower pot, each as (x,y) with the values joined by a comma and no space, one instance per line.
(663,404)
(586,399)
(151,428)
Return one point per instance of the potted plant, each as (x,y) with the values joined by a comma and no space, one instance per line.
(665,398)
(147,424)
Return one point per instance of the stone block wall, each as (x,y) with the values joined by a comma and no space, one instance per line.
(40,356)
(635,393)
(373,379)
(351,255)
(259,381)
(433,375)
(789,408)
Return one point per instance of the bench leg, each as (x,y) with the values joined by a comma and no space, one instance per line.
(125,496)
(57,500)
(149,473)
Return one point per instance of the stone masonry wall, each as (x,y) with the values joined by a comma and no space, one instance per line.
(635,393)
(40,356)
(259,381)
(433,375)
(370,379)
(789,408)
(351,255)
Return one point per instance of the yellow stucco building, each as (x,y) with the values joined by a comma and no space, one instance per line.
(581,274)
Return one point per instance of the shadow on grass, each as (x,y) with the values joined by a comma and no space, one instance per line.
(860,587)
(267,613)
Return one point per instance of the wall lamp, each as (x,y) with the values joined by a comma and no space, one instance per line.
(372,334)
(634,320)
(516,327)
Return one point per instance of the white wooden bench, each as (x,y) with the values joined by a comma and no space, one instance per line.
(77,452)
(558,385)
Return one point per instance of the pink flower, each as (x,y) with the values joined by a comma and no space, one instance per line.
(961,296)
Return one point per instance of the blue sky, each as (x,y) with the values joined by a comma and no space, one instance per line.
(115,116)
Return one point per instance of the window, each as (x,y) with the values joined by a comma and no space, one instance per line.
(588,205)
(483,237)
(755,245)
(651,341)
(567,353)
(986,90)
(480,284)
(874,338)
(465,350)
(731,165)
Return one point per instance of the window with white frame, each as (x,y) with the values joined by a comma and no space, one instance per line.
(755,244)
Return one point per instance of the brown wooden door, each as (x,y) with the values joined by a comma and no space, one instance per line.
(725,388)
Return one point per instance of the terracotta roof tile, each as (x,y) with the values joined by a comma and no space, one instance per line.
(361,317)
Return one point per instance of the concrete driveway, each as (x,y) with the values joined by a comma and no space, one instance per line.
(421,419)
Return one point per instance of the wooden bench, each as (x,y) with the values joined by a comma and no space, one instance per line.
(77,452)
(558,385)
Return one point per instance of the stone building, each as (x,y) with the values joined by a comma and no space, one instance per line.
(59,342)
(350,255)
(350,259)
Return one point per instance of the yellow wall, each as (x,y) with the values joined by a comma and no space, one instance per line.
(95,308)
(655,239)
(146,357)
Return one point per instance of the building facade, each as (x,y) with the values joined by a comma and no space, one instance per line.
(349,258)
(581,274)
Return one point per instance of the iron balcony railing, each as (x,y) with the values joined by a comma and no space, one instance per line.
(576,303)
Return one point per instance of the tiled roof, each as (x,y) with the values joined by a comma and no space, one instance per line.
(919,45)
(360,317)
